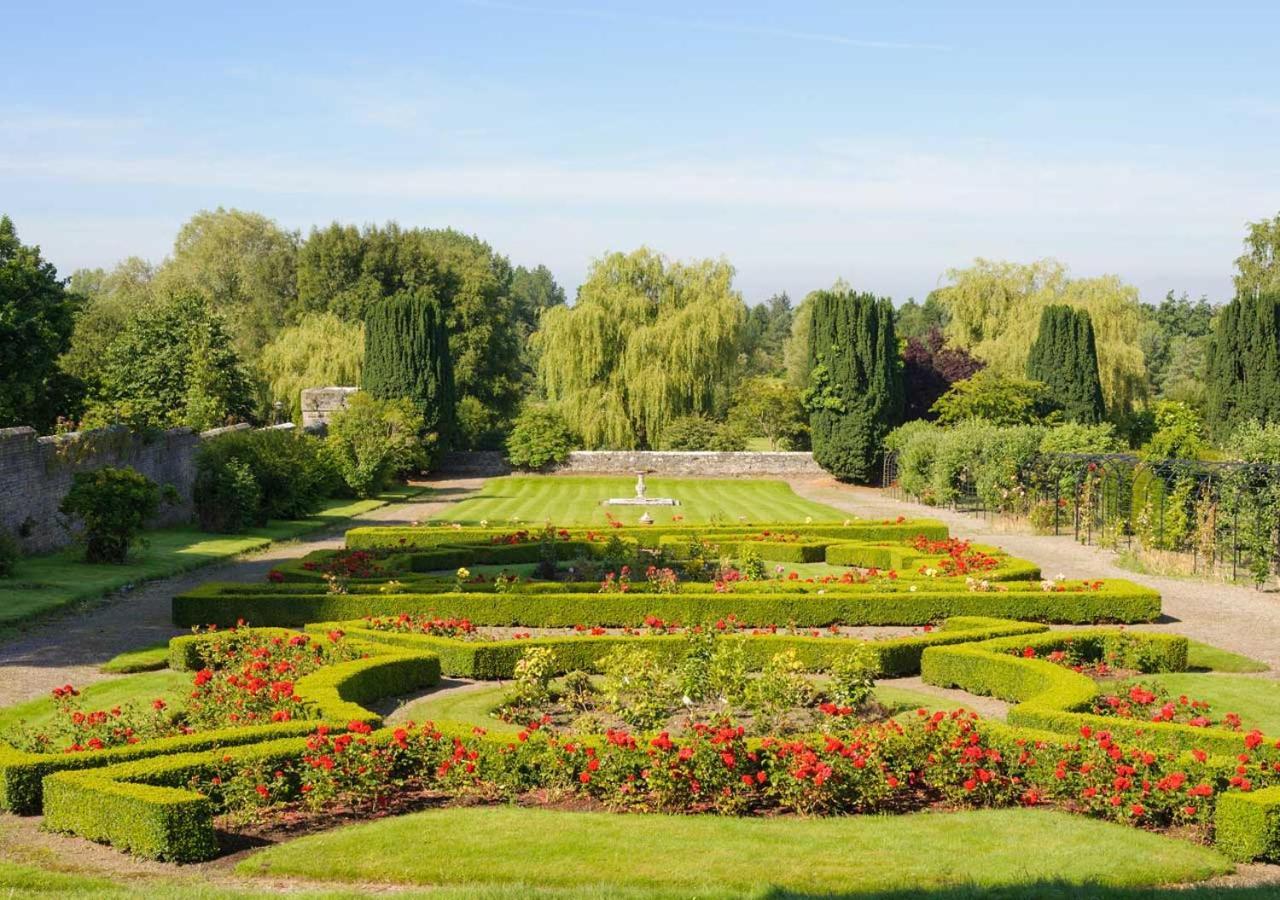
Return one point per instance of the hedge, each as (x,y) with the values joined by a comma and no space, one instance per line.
(430,538)
(1246,826)
(488,660)
(335,691)
(1053,698)
(289,605)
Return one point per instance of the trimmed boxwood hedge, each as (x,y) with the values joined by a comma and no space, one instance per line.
(1053,698)
(298,605)
(1246,826)
(336,692)
(497,659)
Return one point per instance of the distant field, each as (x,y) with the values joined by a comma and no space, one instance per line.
(575,500)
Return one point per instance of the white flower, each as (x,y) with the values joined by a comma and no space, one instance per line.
(484,523)
(914,588)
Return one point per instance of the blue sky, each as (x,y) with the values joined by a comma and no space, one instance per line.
(882,143)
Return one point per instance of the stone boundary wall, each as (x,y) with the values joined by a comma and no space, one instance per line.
(703,464)
(36,473)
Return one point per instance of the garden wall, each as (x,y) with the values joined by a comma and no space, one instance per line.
(36,472)
(709,464)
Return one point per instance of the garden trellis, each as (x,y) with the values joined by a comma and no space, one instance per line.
(1214,517)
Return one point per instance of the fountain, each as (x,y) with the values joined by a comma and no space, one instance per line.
(641,499)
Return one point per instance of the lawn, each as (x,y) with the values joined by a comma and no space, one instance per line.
(138,689)
(574,500)
(1256,700)
(1215,659)
(710,856)
(44,584)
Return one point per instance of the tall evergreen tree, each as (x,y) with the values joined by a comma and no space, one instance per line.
(855,391)
(1244,363)
(406,354)
(1065,357)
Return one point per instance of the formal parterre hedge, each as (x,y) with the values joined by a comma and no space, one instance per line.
(335,693)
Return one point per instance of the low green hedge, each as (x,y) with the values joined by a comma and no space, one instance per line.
(781,551)
(1246,826)
(497,659)
(1053,698)
(336,692)
(288,605)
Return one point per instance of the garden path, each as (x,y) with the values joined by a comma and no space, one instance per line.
(71,647)
(1235,618)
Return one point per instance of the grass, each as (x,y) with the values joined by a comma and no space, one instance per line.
(138,689)
(573,500)
(44,584)
(710,856)
(1214,659)
(145,659)
(1256,700)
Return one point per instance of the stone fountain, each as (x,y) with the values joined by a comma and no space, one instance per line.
(641,499)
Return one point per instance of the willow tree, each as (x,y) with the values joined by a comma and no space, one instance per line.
(319,351)
(995,310)
(647,340)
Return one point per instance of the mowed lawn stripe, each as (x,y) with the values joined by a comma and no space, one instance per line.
(577,500)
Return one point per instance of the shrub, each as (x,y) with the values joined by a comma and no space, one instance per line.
(292,474)
(227,496)
(693,432)
(995,398)
(539,438)
(9,554)
(372,440)
(853,676)
(114,505)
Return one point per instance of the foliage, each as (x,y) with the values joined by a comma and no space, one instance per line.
(1065,359)
(764,337)
(853,677)
(1178,433)
(856,394)
(795,351)
(638,686)
(110,299)
(36,320)
(1244,363)
(929,368)
(372,440)
(113,505)
(647,340)
(773,409)
(1258,268)
(539,437)
(171,365)
(995,308)
(920,320)
(407,357)
(321,350)
(347,271)
(10,553)
(995,398)
(697,432)
(247,477)
(1174,341)
(243,265)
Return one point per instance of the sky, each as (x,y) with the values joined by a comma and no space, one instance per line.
(883,143)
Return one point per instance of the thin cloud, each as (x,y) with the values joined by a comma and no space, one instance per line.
(703,25)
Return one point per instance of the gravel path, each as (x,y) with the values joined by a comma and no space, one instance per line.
(69,649)
(1234,618)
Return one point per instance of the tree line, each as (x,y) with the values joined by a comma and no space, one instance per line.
(652,353)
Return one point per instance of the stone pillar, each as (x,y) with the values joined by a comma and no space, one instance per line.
(320,404)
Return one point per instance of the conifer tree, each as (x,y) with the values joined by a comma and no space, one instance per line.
(1244,363)
(855,391)
(407,355)
(1065,357)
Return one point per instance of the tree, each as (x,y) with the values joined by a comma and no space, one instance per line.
(772,409)
(1178,433)
(929,368)
(171,365)
(795,351)
(766,331)
(374,439)
(347,271)
(995,398)
(855,396)
(1244,363)
(995,311)
(320,350)
(245,266)
(647,340)
(406,355)
(110,300)
(917,320)
(1258,269)
(1174,339)
(36,319)
(534,291)
(539,437)
(1065,358)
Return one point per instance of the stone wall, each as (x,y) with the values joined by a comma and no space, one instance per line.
(36,473)
(320,404)
(704,464)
